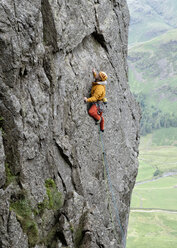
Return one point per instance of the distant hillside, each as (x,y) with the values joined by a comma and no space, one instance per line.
(151,18)
(153,79)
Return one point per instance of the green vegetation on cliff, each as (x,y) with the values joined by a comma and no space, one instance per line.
(28,215)
(24,212)
(55,200)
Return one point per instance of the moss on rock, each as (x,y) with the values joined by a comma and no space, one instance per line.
(24,212)
(79,232)
(55,200)
(10,178)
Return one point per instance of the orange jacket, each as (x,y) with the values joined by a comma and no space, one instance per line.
(98,92)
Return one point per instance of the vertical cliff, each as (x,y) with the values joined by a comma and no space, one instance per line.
(52,183)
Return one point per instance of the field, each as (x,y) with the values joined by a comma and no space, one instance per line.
(160,194)
(152,230)
(153,217)
(158,153)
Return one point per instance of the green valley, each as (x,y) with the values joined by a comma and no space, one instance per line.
(153,216)
(150,19)
(152,60)
(152,78)
(152,230)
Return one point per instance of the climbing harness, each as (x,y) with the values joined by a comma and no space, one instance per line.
(108,179)
(101,106)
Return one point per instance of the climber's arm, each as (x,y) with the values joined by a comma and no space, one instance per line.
(98,92)
(94,73)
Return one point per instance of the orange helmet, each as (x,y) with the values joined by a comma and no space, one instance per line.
(103,75)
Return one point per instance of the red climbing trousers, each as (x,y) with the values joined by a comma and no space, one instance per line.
(95,112)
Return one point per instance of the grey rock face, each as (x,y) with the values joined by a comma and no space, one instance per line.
(48,49)
(2,160)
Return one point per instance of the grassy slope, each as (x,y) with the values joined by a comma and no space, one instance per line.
(161,194)
(155,229)
(152,71)
(157,151)
(138,34)
(151,18)
(152,230)
(147,75)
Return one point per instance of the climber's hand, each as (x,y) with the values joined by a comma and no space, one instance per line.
(93,70)
(85,99)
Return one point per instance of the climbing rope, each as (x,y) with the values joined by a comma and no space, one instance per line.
(112,191)
(109,199)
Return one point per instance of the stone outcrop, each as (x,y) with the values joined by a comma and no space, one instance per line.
(53,191)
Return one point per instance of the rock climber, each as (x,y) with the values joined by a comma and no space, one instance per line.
(97,98)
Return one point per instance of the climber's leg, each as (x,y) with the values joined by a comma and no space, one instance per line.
(102,122)
(93,111)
